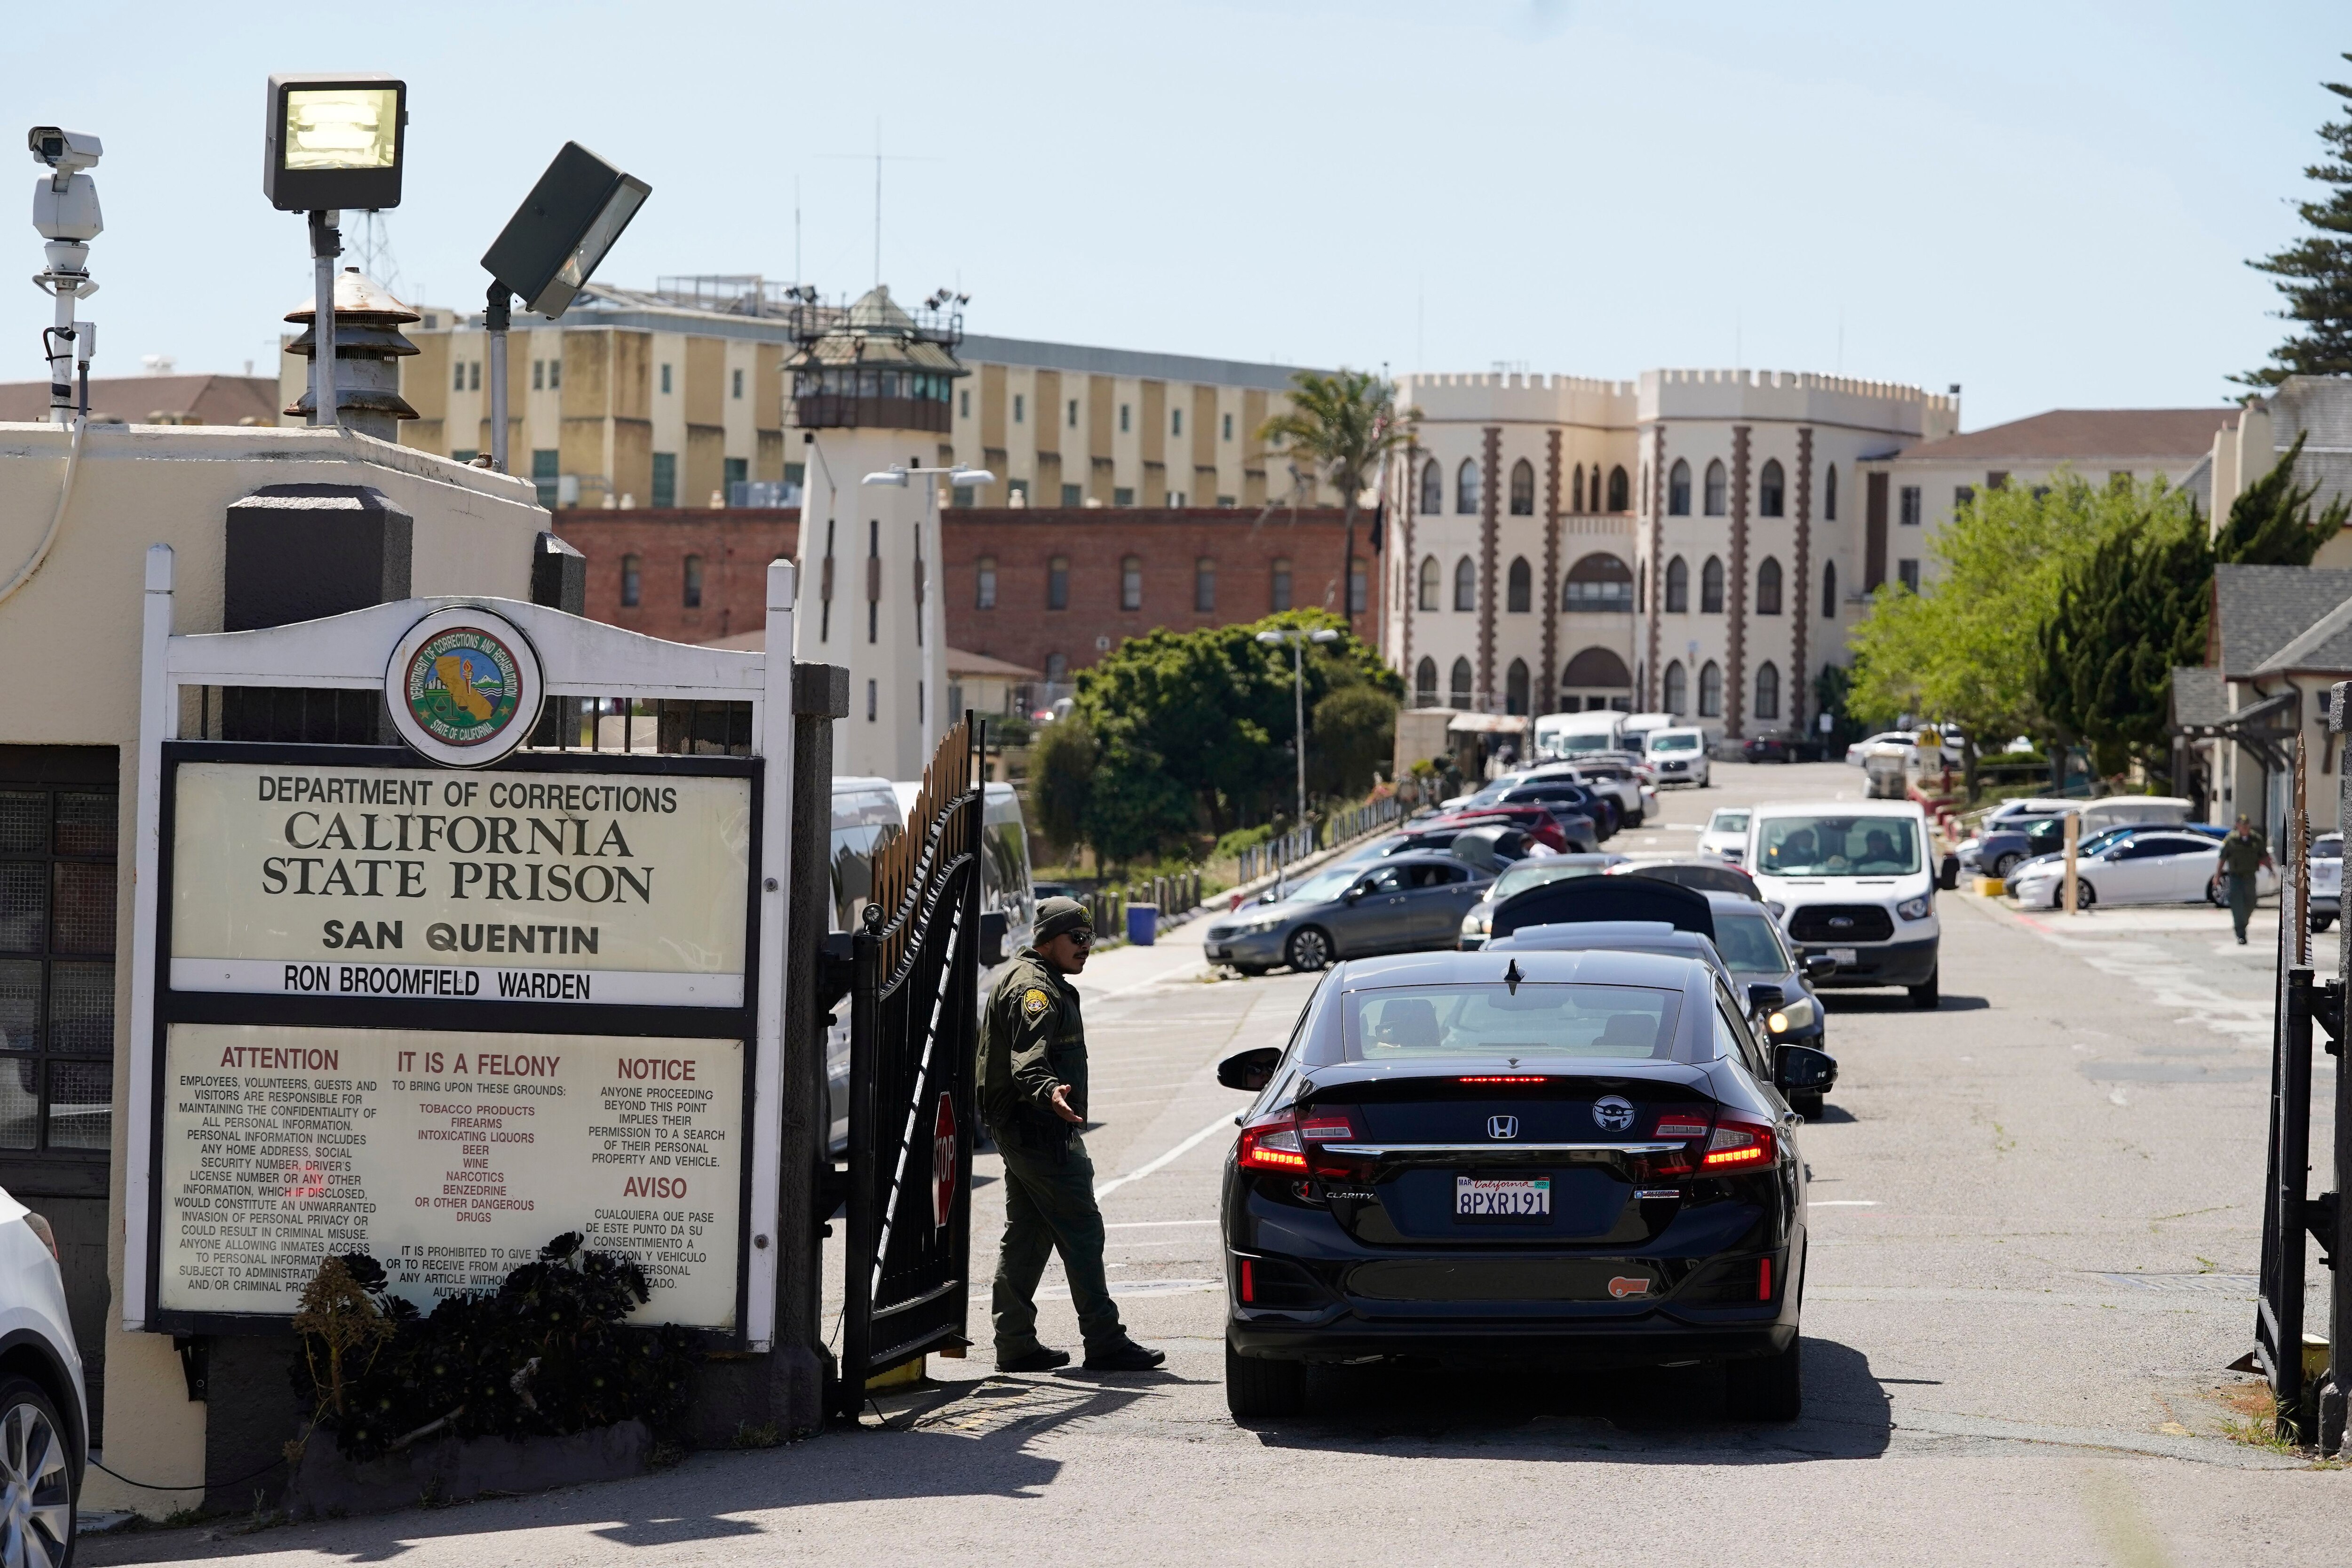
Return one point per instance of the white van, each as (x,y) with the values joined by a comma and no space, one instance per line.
(1639,726)
(1564,736)
(1678,755)
(1855,880)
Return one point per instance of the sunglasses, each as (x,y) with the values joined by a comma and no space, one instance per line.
(1080,938)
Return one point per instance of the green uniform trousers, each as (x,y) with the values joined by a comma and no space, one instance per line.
(2241,902)
(1049,1205)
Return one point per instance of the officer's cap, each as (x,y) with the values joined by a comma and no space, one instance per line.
(1059,915)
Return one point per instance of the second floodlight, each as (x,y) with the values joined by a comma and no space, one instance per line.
(552,245)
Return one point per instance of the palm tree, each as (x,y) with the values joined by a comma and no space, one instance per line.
(1344,425)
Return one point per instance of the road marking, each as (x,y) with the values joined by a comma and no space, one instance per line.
(1155,1224)
(1222,1124)
(1843,1203)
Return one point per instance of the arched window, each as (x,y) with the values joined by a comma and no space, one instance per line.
(1829,590)
(1519,594)
(1596,669)
(1514,687)
(1130,583)
(1710,690)
(1523,488)
(1576,492)
(1433,487)
(1768,690)
(1829,495)
(1433,580)
(1460,695)
(1465,486)
(1204,586)
(1677,587)
(1619,498)
(1716,488)
(1771,486)
(1281,594)
(694,582)
(633,579)
(1601,584)
(1768,587)
(1424,684)
(984,585)
(1057,583)
(1465,584)
(1710,587)
(1678,696)
(1678,489)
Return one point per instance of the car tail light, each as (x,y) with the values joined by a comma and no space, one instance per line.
(1249,1278)
(1763,1278)
(39,1226)
(1681,1126)
(1271,1143)
(1504,1077)
(1738,1143)
(1327,1127)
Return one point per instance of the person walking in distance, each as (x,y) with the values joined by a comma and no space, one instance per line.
(2242,860)
(1033,1097)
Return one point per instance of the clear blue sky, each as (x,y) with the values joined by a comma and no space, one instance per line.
(2050,203)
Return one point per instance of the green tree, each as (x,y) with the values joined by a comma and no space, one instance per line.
(2126,615)
(1350,734)
(1343,426)
(2315,273)
(1062,781)
(1967,647)
(2271,522)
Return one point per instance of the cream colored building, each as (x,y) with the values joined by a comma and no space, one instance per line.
(1693,541)
(70,636)
(670,396)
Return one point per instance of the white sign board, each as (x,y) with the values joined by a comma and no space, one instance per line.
(616,889)
(450,1157)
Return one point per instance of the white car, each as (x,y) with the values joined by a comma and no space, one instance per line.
(1679,756)
(44,1414)
(1725,837)
(2327,883)
(1859,752)
(2154,866)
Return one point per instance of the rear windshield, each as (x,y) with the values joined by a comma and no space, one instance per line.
(1538,1022)
(1674,742)
(2328,848)
(1520,878)
(1839,847)
(1727,822)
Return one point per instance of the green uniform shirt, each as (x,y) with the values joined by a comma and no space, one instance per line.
(2241,854)
(1031,1039)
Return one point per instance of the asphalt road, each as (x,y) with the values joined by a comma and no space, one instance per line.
(2034,1228)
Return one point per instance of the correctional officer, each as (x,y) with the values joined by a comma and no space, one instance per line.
(2242,860)
(1033,1096)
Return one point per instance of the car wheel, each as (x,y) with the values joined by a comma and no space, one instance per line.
(37,1474)
(1808,1106)
(1310,949)
(1766,1388)
(2002,866)
(2321,922)
(1927,995)
(1256,1388)
(2215,895)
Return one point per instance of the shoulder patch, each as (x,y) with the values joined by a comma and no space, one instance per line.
(1034,1002)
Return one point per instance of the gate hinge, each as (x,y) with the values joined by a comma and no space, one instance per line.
(2327,1012)
(836,972)
(2319,1218)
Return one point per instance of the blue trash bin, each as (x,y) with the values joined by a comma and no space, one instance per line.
(1142,924)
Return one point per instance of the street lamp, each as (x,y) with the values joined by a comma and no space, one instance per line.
(899,475)
(331,142)
(1299,640)
(547,253)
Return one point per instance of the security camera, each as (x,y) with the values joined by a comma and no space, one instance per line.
(67,151)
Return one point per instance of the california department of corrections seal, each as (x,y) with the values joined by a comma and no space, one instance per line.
(463,687)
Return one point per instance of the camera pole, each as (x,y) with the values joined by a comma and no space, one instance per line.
(497,315)
(326,245)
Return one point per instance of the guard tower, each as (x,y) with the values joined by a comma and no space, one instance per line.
(870,389)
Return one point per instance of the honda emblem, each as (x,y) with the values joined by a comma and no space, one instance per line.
(1502,1127)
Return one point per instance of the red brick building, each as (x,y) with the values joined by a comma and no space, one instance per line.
(1051,588)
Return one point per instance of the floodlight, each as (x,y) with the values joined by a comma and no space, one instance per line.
(555,240)
(1269,639)
(962,477)
(1323,634)
(334,142)
(891,476)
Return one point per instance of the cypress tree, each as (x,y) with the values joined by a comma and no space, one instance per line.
(2271,524)
(2315,273)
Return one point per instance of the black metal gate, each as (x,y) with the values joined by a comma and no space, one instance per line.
(914,1011)
(2278,1313)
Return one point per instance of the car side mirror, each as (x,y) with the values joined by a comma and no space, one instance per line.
(1766,998)
(1801,1069)
(1354,893)
(993,924)
(1820,966)
(1249,1070)
(1949,876)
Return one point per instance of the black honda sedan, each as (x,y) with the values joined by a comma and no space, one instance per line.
(1576,1159)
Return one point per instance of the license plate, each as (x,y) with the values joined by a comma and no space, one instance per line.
(1477,1198)
(1842,954)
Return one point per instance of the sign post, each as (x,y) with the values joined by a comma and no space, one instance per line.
(443,1001)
